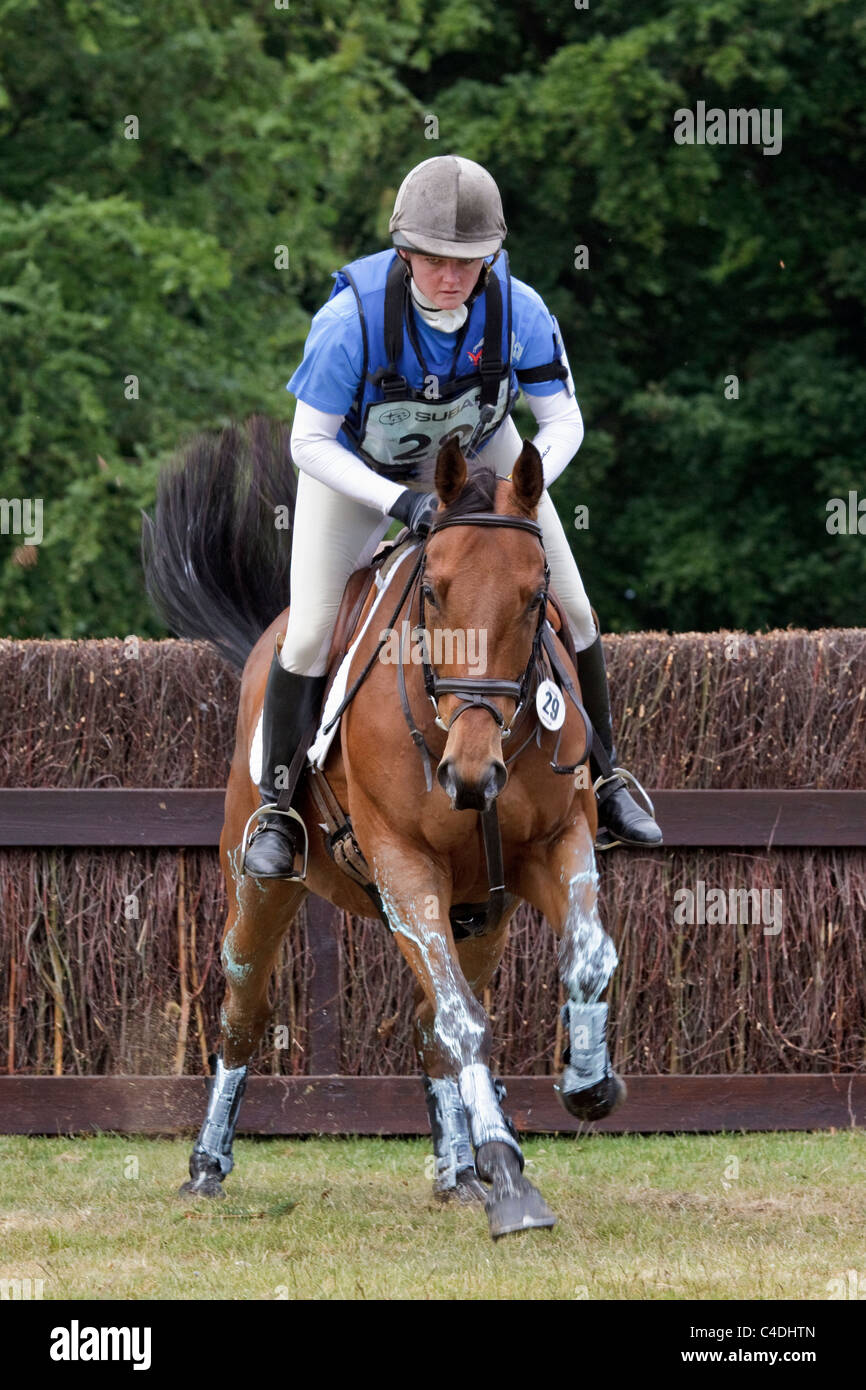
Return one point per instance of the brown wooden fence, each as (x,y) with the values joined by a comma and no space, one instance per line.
(712,818)
(323,1102)
(757,750)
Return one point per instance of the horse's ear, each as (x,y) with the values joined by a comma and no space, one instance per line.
(450,471)
(527,478)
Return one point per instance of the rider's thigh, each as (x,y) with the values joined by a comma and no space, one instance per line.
(565,575)
(503,450)
(332,535)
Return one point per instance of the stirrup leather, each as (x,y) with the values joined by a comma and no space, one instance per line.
(272,809)
(627,777)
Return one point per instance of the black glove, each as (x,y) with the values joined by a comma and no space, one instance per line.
(415,510)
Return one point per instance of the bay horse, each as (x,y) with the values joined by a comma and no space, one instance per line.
(482,568)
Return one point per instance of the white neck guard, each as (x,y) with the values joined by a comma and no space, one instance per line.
(445,320)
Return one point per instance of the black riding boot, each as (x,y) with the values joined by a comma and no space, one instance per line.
(291,703)
(620,818)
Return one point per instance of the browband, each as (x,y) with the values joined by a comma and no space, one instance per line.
(515,523)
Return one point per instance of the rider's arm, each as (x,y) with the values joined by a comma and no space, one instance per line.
(316,451)
(326,384)
(545,377)
(560,430)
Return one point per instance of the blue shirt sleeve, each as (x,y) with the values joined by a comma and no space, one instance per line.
(537,339)
(330,374)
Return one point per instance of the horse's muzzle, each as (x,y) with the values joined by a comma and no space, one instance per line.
(476,795)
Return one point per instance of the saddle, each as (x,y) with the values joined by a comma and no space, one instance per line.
(340,837)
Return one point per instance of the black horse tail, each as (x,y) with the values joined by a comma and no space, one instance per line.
(217,550)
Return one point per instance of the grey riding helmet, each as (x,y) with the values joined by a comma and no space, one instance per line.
(448,206)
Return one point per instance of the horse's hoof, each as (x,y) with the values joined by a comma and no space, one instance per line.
(203,1185)
(467,1192)
(595,1102)
(205,1177)
(524,1211)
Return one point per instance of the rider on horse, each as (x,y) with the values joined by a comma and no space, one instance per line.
(418,343)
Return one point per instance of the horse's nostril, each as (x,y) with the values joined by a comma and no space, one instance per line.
(475,795)
(446,779)
(496,779)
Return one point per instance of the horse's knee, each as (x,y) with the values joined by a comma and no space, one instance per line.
(459,1028)
(587,956)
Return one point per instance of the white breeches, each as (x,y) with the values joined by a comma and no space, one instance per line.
(332,535)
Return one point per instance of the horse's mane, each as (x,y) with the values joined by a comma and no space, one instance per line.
(478,495)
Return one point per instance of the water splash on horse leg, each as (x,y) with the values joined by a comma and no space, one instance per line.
(459,1032)
(589,1087)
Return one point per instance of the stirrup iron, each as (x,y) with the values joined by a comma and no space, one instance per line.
(627,777)
(272,809)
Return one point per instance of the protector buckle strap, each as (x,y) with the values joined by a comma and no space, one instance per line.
(393,385)
(491,366)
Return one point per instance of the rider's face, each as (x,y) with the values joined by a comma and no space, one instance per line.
(446,281)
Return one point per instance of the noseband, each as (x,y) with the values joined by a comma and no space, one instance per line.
(478,693)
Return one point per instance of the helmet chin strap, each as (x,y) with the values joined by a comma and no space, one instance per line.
(446,320)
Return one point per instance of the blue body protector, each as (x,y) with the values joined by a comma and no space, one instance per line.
(403,414)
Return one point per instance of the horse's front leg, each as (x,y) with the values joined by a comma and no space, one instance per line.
(453,1029)
(563,884)
(455,1176)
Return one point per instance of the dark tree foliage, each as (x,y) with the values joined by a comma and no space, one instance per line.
(155,158)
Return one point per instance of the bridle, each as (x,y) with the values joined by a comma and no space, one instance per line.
(479,692)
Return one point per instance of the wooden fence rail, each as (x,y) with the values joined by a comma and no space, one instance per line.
(126,816)
(395,1104)
(327,1103)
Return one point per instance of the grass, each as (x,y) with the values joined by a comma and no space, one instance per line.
(658,1217)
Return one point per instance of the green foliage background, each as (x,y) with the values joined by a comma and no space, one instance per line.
(261,126)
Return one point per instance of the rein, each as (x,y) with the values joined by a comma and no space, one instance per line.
(368,665)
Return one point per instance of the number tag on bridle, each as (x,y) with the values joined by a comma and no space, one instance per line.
(550,705)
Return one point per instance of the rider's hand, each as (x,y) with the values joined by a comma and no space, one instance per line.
(415,510)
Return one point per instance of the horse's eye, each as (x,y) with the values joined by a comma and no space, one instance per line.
(428,594)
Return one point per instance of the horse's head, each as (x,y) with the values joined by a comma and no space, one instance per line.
(484,588)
